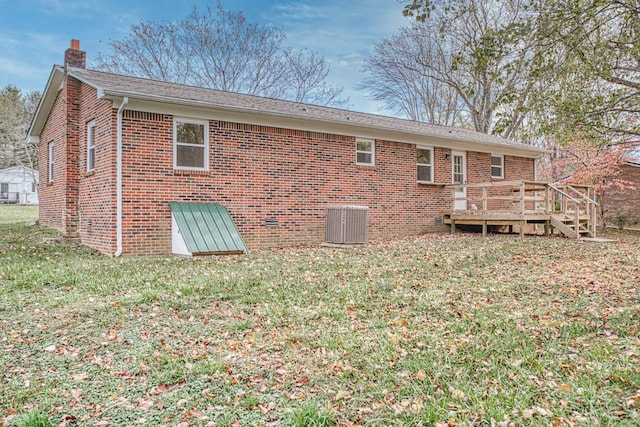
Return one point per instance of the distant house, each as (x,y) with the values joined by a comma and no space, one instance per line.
(18,184)
(623,206)
(141,167)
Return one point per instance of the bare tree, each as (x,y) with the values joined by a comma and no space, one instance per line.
(219,49)
(16,112)
(484,52)
(397,79)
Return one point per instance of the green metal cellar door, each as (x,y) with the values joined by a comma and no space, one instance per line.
(206,228)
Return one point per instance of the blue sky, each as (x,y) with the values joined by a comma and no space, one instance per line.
(35,33)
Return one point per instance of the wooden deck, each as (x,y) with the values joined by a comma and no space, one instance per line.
(521,205)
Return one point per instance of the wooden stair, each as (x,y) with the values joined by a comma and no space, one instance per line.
(567,226)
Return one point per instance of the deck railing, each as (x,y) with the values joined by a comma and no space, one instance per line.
(570,202)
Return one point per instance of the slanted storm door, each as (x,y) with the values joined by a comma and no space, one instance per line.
(204,229)
(459,169)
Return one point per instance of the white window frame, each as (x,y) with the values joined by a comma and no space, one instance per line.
(431,165)
(91,146)
(501,157)
(51,160)
(371,152)
(176,143)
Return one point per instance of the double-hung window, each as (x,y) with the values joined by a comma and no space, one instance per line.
(190,144)
(51,153)
(497,166)
(91,147)
(365,152)
(425,164)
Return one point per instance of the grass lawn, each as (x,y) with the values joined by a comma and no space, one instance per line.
(434,330)
(18,213)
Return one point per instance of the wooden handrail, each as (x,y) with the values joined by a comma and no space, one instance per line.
(564,194)
(584,196)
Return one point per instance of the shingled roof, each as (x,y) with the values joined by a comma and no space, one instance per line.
(113,86)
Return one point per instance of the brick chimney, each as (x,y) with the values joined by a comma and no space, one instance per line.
(74,57)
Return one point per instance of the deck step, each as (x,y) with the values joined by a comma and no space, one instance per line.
(567,227)
(558,223)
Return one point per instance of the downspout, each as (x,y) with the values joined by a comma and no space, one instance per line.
(118,252)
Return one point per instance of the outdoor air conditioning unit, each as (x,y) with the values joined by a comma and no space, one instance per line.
(346,224)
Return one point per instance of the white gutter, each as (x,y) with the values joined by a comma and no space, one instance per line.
(344,122)
(118,252)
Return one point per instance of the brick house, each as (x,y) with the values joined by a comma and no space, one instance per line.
(116,151)
(623,206)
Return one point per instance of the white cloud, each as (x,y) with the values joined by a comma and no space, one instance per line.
(344,33)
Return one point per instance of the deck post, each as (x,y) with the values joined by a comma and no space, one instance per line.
(522,198)
(547,228)
(484,228)
(484,198)
(547,200)
(522,223)
(594,219)
(594,214)
(453,226)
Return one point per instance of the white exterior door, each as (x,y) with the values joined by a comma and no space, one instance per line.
(459,176)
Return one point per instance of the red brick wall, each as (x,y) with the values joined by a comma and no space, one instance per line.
(76,198)
(262,173)
(259,173)
(71,173)
(51,194)
(479,170)
(625,203)
(97,199)
(58,199)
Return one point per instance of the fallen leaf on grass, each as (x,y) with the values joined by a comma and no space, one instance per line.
(459,394)
(529,413)
(266,407)
(342,394)
(144,405)
(633,400)
(67,420)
